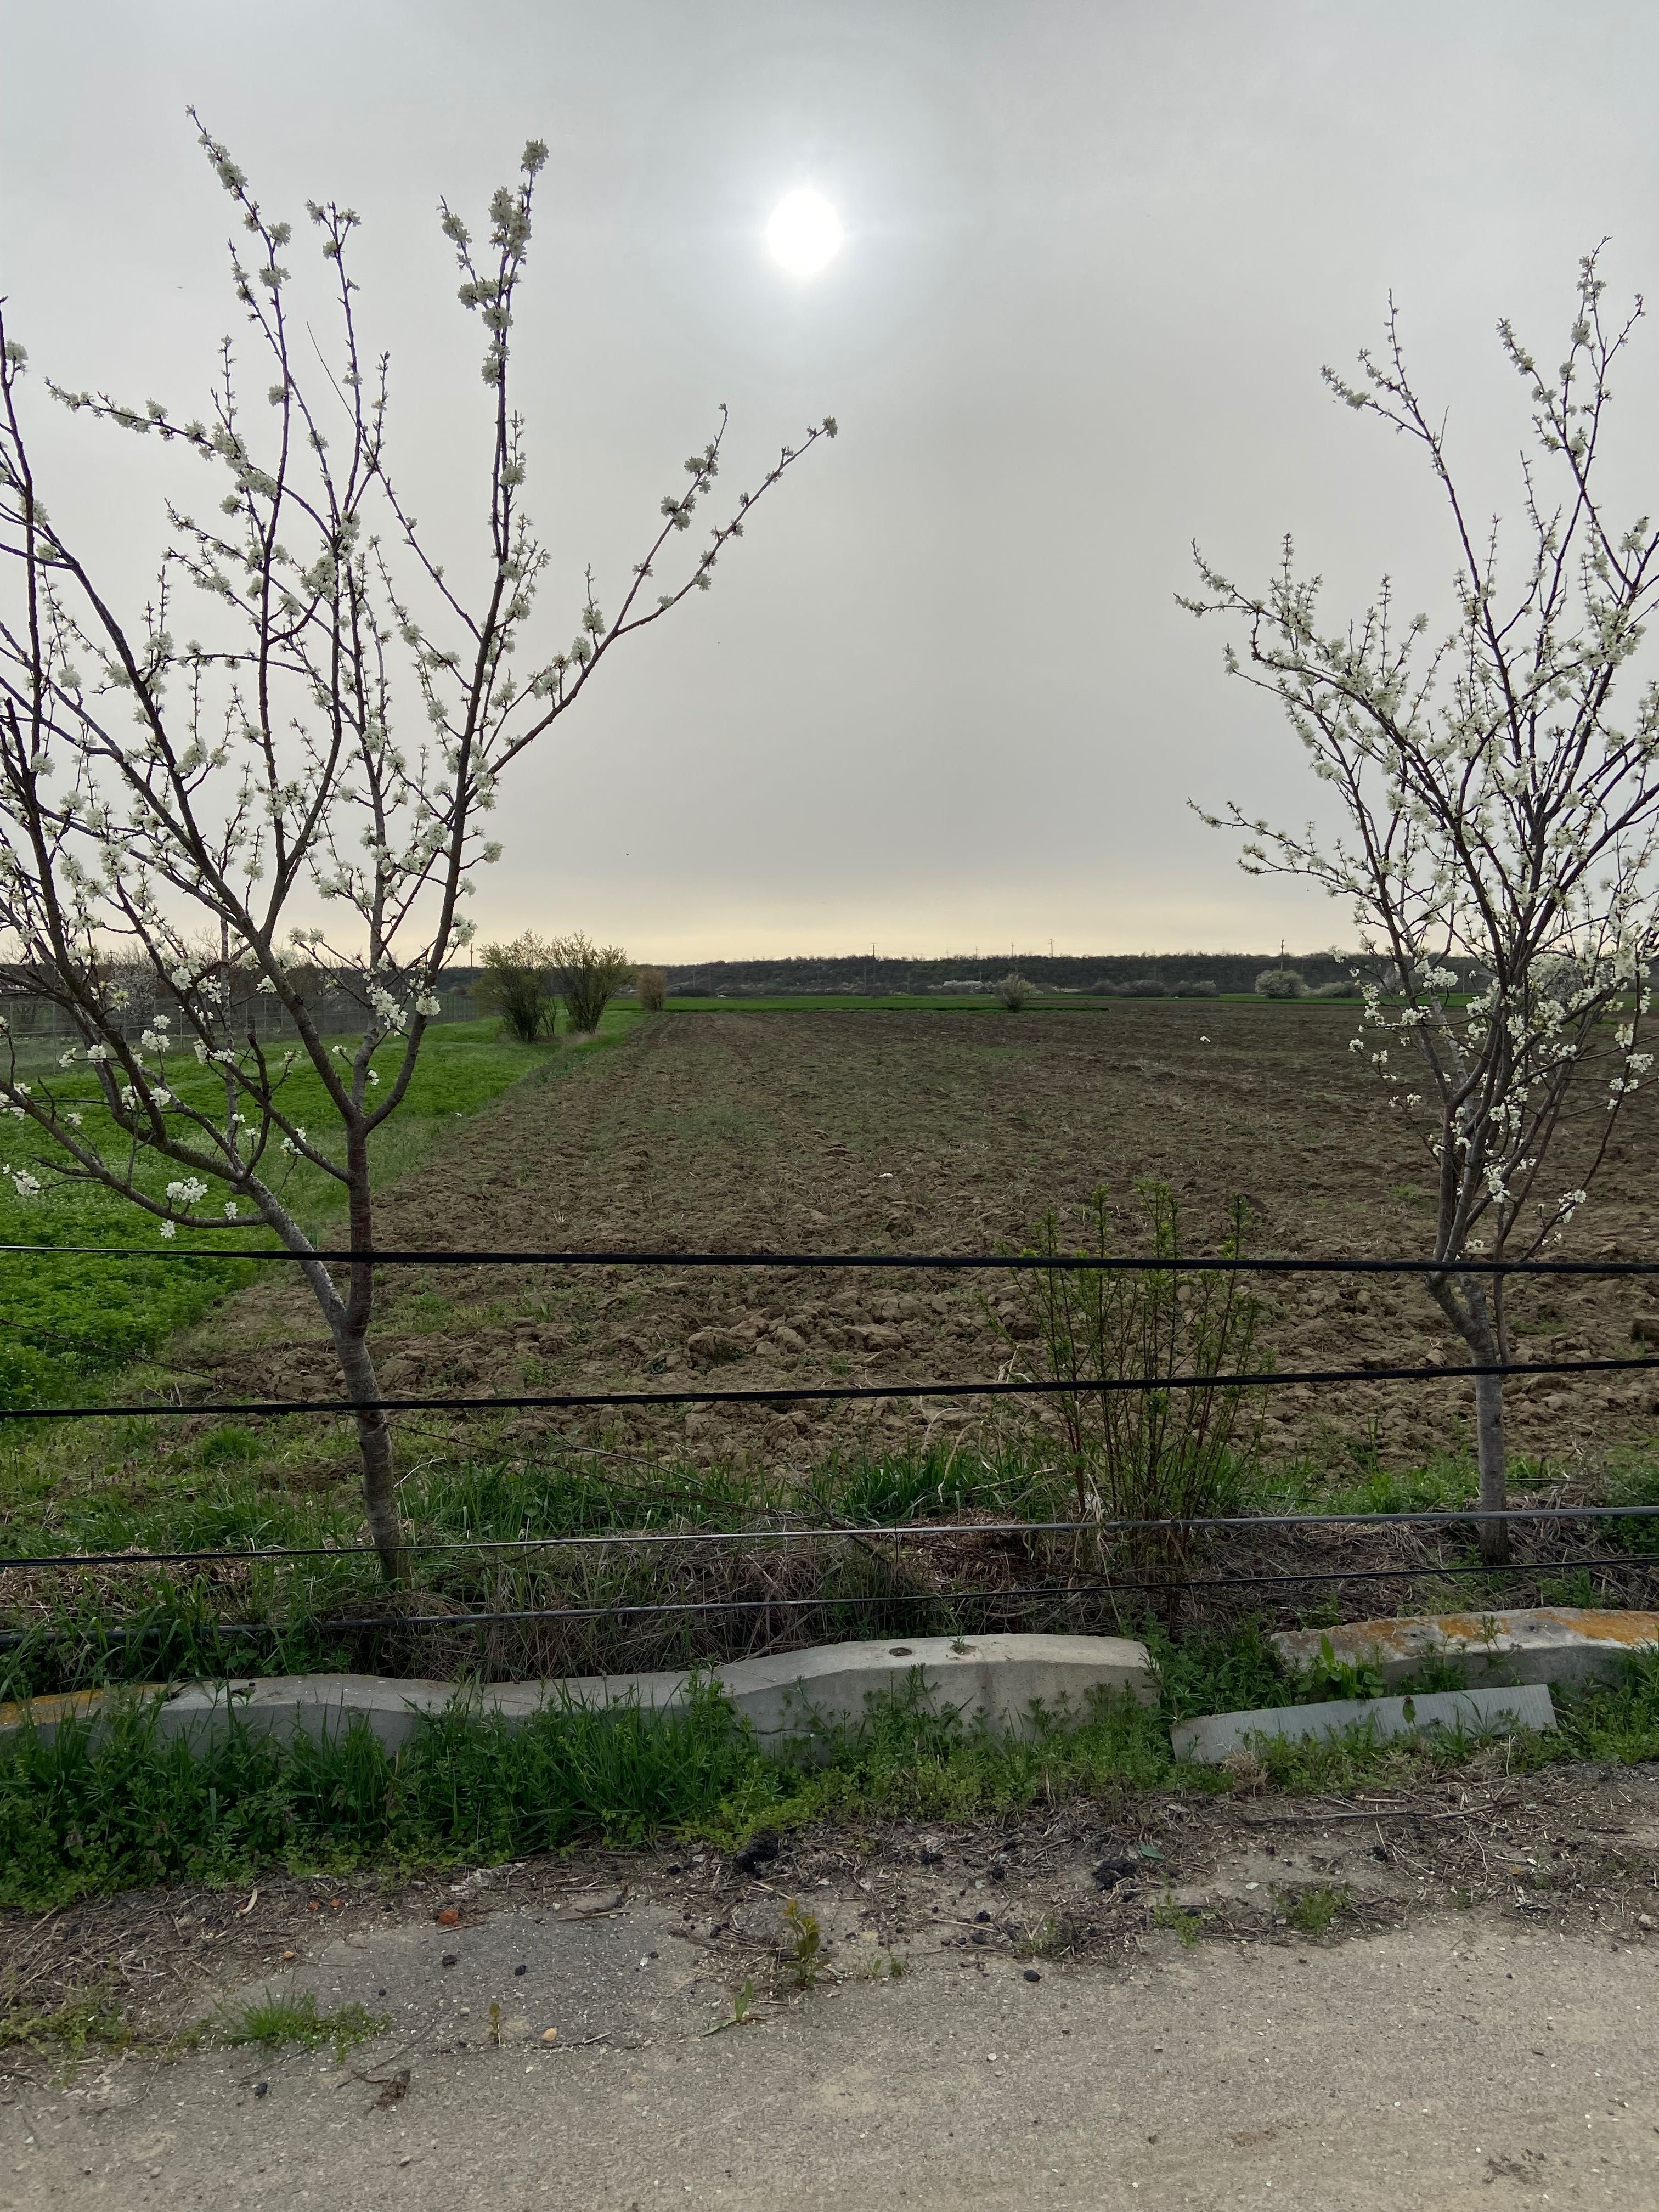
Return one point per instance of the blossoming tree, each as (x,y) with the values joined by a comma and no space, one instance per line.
(175,815)
(1497,810)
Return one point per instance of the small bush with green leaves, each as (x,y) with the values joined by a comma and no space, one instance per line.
(516,981)
(1280,983)
(1157,1453)
(588,977)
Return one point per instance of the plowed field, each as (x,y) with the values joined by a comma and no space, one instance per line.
(945,1132)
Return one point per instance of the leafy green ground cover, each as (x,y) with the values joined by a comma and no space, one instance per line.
(68,1322)
(82,1814)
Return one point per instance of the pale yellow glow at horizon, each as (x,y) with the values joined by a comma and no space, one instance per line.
(804,233)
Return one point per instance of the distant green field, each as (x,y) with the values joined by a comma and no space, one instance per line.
(66,1322)
(968,1002)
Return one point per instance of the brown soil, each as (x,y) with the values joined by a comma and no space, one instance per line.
(839,1132)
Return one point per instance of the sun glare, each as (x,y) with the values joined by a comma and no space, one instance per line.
(804,233)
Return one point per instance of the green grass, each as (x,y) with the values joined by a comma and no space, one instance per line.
(1311,1912)
(974,1002)
(274,2022)
(66,2031)
(87,1813)
(142,1485)
(83,1814)
(1188,1925)
(67,1324)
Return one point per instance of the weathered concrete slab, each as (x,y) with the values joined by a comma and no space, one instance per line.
(1477,1712)
(1001,1680)
(317,1705)
(1563,1644)
(1005,1680)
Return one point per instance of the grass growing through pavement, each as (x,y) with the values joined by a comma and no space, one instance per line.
(276,2020)
(81,1813)
(1312,1910)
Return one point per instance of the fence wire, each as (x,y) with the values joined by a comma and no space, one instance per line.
(1001,1386)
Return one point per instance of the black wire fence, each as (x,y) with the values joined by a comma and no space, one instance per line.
(1069,1595)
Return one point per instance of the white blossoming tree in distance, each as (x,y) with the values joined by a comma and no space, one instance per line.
(1499,807)
(174,814)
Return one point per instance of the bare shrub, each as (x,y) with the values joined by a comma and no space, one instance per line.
(1280,983)
(1138,1448)
(1015,993)
(1341,988)
(517,982)
(651,989)
(589,976)
(1201,988)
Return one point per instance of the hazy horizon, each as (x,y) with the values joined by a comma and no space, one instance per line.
(1094,257)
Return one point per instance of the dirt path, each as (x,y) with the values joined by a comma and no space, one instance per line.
(1417,2055)
(830,1131)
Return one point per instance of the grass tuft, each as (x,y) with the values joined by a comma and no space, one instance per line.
(275,2021)
(1312,1910)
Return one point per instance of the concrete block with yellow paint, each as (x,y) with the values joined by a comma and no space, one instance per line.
(1566,1644)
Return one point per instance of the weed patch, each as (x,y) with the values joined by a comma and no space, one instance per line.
(67,2032)
(1312,1910)
(274,2022)
(89,1813)
(1188,1925)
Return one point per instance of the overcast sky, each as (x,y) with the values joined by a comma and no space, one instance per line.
(941,698)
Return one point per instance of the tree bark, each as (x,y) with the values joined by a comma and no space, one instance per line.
(1489,1449)
(1472,1316)
(386,1525)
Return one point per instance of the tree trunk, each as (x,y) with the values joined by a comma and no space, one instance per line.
(386,1525)
(1466,1305)
(1489,1449)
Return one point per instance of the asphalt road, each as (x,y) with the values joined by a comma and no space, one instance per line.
(1457,2062)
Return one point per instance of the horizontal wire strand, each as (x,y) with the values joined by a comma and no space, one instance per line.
(1072,1590)
(567,1400)
(1437,1517)
(1065,1262)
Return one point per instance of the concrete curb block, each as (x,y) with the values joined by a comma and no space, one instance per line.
(1568,1645)
(1003,1679)
(1477,1712)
